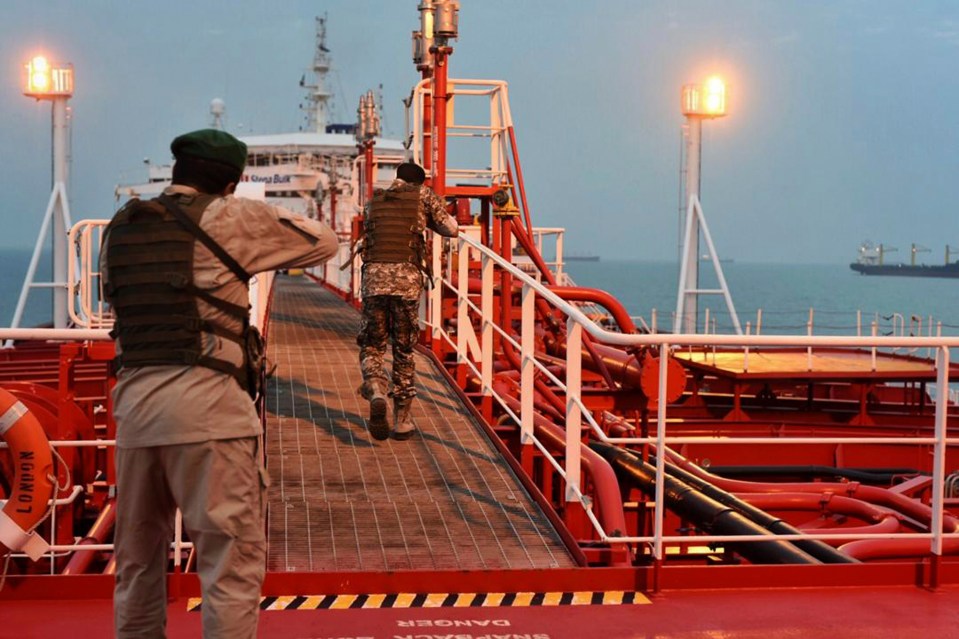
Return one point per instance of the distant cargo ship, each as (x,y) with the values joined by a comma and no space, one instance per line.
(871,262)
(582,258)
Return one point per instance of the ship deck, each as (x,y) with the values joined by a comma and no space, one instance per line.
(439,536)
(341,501)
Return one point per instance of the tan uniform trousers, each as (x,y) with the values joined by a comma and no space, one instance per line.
(220,487)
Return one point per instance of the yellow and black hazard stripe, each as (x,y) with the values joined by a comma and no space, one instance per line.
(447,600)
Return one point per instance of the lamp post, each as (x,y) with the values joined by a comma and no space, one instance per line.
(367,129)
(423,59)
(53,82)
(445,28)
(699,102)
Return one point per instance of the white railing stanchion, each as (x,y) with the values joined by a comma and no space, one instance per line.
(939,449)
(462,299)
(436,290)
(574,424)
(528,344)
(659,508)
(177,539)
(486,306)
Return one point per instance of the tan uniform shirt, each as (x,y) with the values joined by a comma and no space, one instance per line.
(164,405)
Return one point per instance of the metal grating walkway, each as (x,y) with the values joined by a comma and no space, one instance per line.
(341,501)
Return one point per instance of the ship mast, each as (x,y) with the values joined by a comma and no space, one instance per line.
(317,97)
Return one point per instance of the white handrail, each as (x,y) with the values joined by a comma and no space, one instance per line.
(575,410)
(87,307)
(493,170)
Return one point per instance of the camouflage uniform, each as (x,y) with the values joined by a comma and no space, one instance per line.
(391,294)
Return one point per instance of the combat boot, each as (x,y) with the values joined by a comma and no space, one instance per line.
(378,423)
(403,426)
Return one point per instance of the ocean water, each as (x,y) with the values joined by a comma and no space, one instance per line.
(13,269)
(784,292)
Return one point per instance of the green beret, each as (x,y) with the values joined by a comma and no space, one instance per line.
(213,145)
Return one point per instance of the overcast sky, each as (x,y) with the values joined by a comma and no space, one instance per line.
(842,122)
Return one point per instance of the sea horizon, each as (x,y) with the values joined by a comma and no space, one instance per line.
(779,296)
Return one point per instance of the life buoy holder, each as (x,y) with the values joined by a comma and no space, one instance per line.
(33,481)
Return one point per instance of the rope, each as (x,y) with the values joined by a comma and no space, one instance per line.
(58,487)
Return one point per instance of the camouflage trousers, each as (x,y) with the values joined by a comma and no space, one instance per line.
(389,316)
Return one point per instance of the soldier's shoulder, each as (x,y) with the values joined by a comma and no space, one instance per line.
(399,186)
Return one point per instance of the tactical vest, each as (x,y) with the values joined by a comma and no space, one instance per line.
(150,286)
(392,229)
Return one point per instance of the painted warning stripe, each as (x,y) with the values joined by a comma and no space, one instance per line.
(446,600)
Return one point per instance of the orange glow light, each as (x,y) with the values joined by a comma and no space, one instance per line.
(705,100)
(44,80)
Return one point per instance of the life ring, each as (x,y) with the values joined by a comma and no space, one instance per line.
(33,481)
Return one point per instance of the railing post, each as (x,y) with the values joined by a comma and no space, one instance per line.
(658,508)
(574,425)
(177,539)
(939,455)
(486,356)
(462,299)
(436,291)
(527,346)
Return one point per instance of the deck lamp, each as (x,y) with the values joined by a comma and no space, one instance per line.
(45,81)
(698,102)
(54,82)
(706,100)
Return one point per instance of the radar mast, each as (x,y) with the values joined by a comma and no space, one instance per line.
(317,97)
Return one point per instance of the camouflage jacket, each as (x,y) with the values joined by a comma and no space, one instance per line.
(404,279)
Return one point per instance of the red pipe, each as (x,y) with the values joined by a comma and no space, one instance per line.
(608,497)
(368,156)
(519,179)
(817,502)
(99,532)
(427,124)
(440,98)
(865,549)
(908,507)
(604,299)
(884,520)
(526,242)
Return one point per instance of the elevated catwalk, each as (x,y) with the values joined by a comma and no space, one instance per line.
(342,501)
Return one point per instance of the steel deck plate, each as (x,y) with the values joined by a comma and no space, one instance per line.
(341,501)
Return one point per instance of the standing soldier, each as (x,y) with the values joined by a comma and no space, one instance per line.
(176,272)
(394,266)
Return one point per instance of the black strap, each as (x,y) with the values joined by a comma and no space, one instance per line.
(202,235)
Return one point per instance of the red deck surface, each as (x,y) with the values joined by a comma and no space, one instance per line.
(860,613)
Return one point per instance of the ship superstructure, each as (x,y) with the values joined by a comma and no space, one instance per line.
(313,171)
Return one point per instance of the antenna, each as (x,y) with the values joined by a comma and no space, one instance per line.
(217,109)
(317,97)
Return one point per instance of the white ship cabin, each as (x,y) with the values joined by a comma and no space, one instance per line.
(303,171)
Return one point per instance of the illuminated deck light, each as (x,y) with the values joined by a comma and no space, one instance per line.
(47,81)
(707,100)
